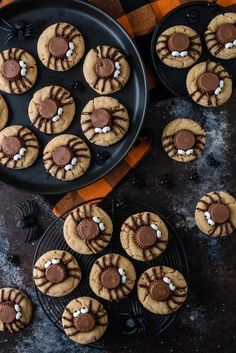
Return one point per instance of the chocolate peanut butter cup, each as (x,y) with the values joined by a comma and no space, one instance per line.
(85,322)
(7,312)
(58,47)
(48,108)
(145,237)
(208,82)
(159,291)
(105,68)
(11,145)
(184,140)
(226,33)
(62,155)
(110,278)
(101,118)
(11,70)
(219,212)
(56,273)
(88,229)
(178,42)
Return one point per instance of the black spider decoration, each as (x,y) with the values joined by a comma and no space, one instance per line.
(192,17)
(77,85)
(12,258)
(102,157)
(28,210)
(212,162)
(20,30)
(135,321)
(166,181)
(194,176)
(145,135)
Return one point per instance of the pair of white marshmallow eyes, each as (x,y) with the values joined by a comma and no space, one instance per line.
(182,54)
(117,71)
(72,164)
(18,311)
(170,284)
(103,130)
(19,155)
(219,89)
(23,66)
(188,152)
(100,224)
(230,45)
(70,52)
(83,310)
(60,111)
(123,275)
(208,218)
(155,227)
(54,261)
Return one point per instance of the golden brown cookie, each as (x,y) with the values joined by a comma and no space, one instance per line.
(220,36)
(179,47)
(3,113)
(66,157)
(112,277)
(52,109)
(15,310)
(104,121)
(19,147)
(84,320)
(56,273)
(209,84)
(106,69)
(183,140)
(162,290)
(144,236)
(60,46)
(215,214)
(18,71)
(88,229)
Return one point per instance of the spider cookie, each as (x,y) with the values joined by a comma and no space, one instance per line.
(179,47)
(209,84)
(52,109)
(19,147)
(162,290)
(112,277)
(106,69)
(56,273)
(144,236)
(18,71)
(15,310)
(60,47)
(104,121)
(88,229)
(3,113)
(183,140)
(215,214)
(84,320)
(220,36)
(66,157)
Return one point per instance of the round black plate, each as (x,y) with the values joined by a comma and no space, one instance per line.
(196,15)
(97,28)
(118,334)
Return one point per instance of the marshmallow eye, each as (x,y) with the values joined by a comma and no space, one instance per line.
(207,215)
(17,157)
(68,167)
(101,226)
(18,315)
(47,264)
(17,308)
(76,313)
(166,280)
(175,54)
(169,283)
(172,287)
(229,45)
(84,310)
(55,261)
(183,53)
(106,129)
(96,219)
(70,51)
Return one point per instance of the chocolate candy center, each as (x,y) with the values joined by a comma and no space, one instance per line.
(105,68)
(219,212)
(88,229)
(11,145)
(145,237)
(208,82)
(110,278)
(7,312)
(85,322)
(62,155)
(48,108)
(58,47)
(159,291)
(56,273)
(179,42)
(101,118)
(11,70)
(184,140)
(226,33)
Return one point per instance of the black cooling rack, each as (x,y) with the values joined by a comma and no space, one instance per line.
(129,323)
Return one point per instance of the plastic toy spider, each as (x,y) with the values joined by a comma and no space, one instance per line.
(135,320)
(160,288)
(55,271)
(71,151)
(28,210)
(21,30)
(52,107)
(11,310)
(15,147)
(85,318)
(92,223)
(109,122)
(217,214)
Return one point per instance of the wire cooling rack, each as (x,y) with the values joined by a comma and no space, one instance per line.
(130,324)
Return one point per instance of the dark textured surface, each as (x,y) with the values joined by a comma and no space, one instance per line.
(207,322)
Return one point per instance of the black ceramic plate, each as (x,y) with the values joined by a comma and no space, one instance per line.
(129,323)
(196,15)
(97,28)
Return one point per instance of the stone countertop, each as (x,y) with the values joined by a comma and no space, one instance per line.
(207,322)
